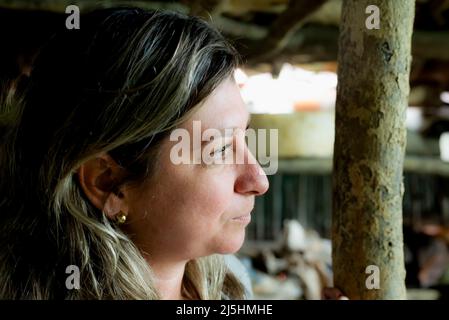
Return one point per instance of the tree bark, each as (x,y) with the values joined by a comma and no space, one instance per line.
(372,95)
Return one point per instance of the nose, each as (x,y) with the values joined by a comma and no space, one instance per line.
(252,180)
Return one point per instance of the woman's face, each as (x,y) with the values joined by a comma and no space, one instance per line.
(186,211)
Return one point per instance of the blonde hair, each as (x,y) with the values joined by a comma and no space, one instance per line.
(117,85)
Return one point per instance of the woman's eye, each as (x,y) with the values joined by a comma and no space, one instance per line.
(221,151)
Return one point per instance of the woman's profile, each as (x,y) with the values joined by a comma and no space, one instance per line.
(86,177)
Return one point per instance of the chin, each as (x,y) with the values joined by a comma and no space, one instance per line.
(232,244)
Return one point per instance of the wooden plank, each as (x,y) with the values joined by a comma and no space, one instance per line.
(414,164)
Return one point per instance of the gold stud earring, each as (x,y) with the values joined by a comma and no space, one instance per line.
(121,217)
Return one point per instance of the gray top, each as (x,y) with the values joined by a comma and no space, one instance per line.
(240,272)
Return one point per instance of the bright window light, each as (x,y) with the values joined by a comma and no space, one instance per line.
(445,97)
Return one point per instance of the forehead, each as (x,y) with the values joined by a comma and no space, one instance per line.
(224,108)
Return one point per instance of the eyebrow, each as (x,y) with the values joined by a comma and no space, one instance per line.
(203,143)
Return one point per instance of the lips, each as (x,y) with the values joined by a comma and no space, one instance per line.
(243,219)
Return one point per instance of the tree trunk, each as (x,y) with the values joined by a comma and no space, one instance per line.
(372,95)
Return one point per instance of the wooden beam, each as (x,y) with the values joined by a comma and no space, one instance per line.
(431,44)
(238,7)
(282,29)
(205,8)
(240,30)
(320,43)
(86,5)
(370,140)
(321,166)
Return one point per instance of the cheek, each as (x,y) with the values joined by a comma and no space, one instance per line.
(203,208)
(189,212)
(214,193)
(197,200)
(215,207)
(196,221)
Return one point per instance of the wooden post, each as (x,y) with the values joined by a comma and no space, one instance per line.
(372,97)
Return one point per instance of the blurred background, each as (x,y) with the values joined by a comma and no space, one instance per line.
(289,83)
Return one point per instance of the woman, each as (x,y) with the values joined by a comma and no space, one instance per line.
(86,174)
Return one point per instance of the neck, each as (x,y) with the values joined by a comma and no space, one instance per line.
(168,278)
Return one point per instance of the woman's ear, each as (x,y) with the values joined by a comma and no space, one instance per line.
(98,178)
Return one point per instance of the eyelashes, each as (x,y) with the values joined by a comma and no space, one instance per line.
(221,151)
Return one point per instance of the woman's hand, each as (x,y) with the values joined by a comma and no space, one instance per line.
(333,294)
